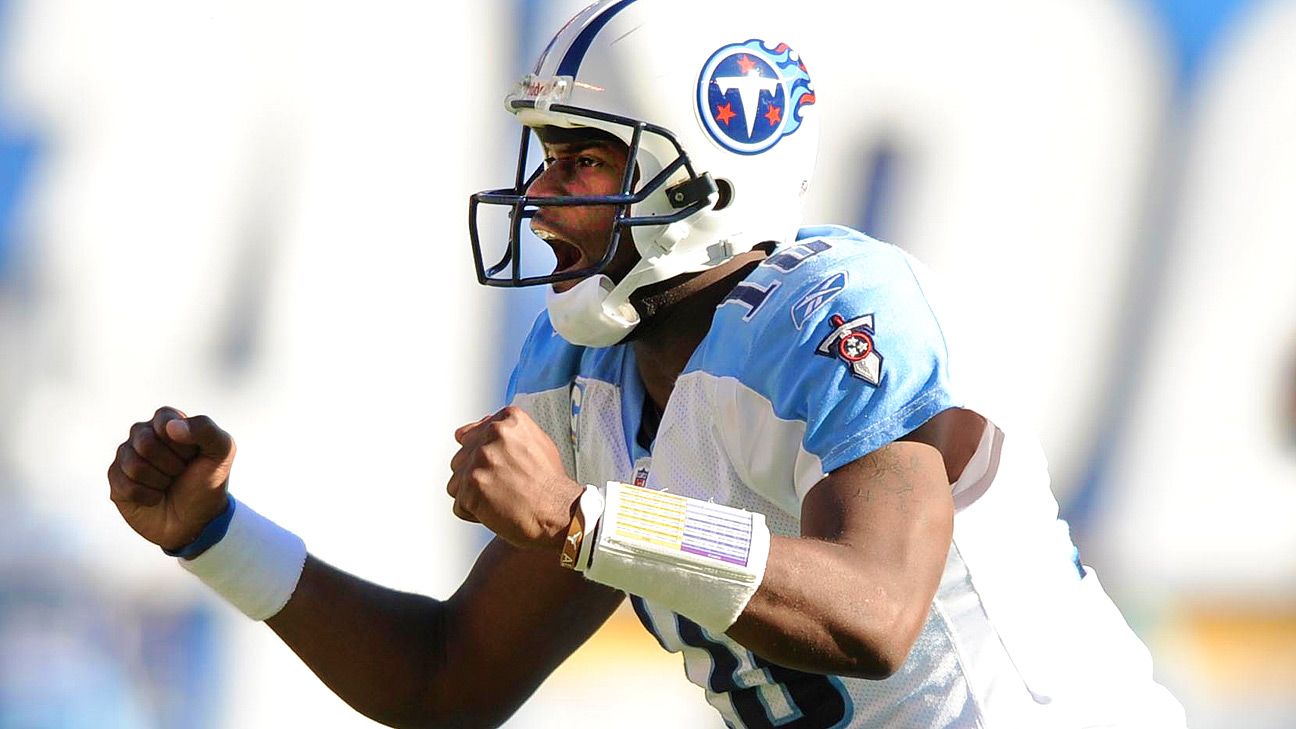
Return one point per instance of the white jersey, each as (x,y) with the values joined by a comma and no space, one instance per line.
(829,349)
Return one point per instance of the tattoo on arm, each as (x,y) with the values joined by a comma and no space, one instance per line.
(890,474)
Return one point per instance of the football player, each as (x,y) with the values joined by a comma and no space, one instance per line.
(770,437)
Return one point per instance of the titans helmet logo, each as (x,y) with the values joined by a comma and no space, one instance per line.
(751,95)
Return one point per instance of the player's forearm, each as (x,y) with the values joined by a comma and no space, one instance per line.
(848,597)
(821,609)
(468,661)
(378,649)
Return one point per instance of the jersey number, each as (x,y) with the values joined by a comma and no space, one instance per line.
(810,700)
(752,295)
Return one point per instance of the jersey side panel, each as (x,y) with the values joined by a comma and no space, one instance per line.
(541,385)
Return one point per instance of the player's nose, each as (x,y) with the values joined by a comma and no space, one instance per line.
(548,184)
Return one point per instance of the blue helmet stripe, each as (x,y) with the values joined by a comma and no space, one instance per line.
(576,53)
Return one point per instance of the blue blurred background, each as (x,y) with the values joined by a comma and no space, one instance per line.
(256,210)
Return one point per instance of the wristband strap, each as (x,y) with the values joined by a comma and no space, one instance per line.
(592,504)
(580,535)
(572,544)
(212,533)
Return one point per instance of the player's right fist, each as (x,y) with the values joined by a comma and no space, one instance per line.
(170,477)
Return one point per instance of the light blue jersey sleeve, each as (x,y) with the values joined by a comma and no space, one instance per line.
(547,361)
(836,333)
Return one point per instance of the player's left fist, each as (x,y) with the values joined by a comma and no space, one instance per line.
(508,476)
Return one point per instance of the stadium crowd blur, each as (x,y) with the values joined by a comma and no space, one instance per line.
(257,208)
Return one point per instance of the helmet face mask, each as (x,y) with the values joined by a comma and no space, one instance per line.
(718,103)
(687,198)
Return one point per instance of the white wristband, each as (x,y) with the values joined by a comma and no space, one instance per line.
(255,566)
(700,559)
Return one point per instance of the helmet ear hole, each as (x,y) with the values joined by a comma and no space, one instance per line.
(726,194)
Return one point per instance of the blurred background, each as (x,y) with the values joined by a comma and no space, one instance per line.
(255,210)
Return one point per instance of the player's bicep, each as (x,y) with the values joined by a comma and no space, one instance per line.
(517,616)
(893,508)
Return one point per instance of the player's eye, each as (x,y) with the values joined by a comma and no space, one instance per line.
(549,161)
(587,161)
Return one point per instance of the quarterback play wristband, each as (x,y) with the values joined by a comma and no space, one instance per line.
(255,566)
(700,559)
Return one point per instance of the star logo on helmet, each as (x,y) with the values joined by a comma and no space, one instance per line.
(752,94)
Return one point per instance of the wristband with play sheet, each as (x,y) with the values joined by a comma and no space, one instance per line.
(700,559)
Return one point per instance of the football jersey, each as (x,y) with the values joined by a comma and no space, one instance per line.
(835,345)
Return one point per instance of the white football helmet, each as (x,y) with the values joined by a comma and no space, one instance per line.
(717,111)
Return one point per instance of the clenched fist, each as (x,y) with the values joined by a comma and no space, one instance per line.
(170,477)
(508,476)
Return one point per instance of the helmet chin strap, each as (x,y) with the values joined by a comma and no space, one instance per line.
(598,313)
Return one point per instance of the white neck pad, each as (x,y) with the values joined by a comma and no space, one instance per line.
(584,316)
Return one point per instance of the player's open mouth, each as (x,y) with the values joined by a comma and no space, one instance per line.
(568,257)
